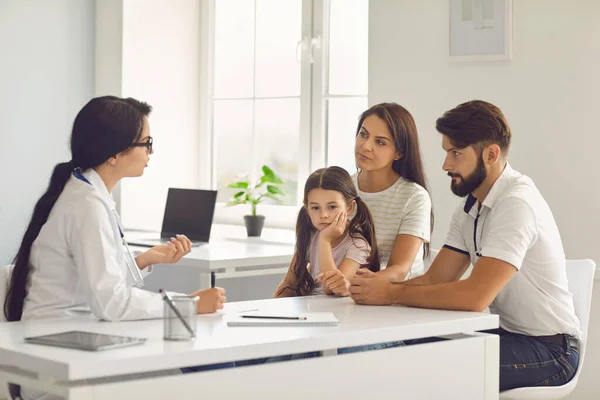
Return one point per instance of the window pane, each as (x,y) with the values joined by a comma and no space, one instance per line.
(232,127)
(348,47)
(342,120)
(234,48)
(278,30)
(277,126)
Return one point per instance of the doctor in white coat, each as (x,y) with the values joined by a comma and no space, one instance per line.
(73,259)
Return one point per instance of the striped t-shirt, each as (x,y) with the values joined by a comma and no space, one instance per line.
(402,209)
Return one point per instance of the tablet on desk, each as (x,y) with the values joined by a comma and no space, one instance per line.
(89,341)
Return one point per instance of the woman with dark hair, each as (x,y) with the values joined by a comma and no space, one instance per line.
(73,259)
(391,181)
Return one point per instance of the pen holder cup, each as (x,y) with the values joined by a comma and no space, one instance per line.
(174,327)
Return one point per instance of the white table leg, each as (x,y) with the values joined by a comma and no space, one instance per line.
(492,367)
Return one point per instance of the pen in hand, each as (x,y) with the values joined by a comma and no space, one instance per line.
(169,301)
(212,279)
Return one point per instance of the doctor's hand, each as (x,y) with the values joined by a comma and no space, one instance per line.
(211,300)
(169,253)
(368,287)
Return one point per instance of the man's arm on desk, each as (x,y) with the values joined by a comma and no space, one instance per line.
(438,289)
(448,266)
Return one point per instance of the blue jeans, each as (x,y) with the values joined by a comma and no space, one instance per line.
(312,354)
(210,367)
(527,361)
(369,347)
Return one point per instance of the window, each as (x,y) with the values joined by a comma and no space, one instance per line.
(289,83)
(346,92)
(256,95)
(280,83)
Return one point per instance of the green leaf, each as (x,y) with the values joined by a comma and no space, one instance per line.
(239,194)
(268,171)
(275,190)
(232,203)
(271,179)
(238,185)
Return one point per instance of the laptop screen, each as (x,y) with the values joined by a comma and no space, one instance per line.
(189,212)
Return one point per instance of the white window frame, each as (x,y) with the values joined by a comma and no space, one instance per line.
(312,131)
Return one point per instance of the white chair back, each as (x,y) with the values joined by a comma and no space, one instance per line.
(580,274)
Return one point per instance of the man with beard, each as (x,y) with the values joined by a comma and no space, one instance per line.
(507,231)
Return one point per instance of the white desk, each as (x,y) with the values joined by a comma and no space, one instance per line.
(466,366)
(231,254)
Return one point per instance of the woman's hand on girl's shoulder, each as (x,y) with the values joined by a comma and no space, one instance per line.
(171,252)
(210,300)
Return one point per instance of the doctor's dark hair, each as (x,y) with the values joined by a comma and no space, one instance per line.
(105,127)
(361,226)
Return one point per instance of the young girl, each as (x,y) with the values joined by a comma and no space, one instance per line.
(391,181)
(329,247)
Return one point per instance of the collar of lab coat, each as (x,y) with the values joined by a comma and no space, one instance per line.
(97,182)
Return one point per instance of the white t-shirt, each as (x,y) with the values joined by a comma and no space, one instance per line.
(516,225)
(402,209)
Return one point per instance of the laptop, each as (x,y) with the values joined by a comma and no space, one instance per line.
(188,212)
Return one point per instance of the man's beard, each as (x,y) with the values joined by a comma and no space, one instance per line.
(467,185)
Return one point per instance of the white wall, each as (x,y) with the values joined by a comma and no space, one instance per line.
(46,76)
(549,92)
(161,65)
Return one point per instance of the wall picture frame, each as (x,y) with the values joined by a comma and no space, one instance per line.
(480,30)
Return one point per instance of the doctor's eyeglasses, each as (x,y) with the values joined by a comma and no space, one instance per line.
(147,144)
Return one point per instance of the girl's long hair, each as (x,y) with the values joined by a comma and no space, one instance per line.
(105,127)
(406,140)
(361,226)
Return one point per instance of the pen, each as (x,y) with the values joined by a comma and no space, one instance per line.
(168,300)
(212,279)
(270,317)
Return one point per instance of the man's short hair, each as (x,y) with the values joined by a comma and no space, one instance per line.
(475,123)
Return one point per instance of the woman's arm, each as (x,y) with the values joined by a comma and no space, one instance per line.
(414,229)
(287,287)
(403,255)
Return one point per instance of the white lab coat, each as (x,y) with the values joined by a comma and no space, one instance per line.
(78,266)
(78,261)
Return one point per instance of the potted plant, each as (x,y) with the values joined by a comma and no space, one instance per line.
(265,188)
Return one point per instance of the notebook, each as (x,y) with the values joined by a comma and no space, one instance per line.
(305,319)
